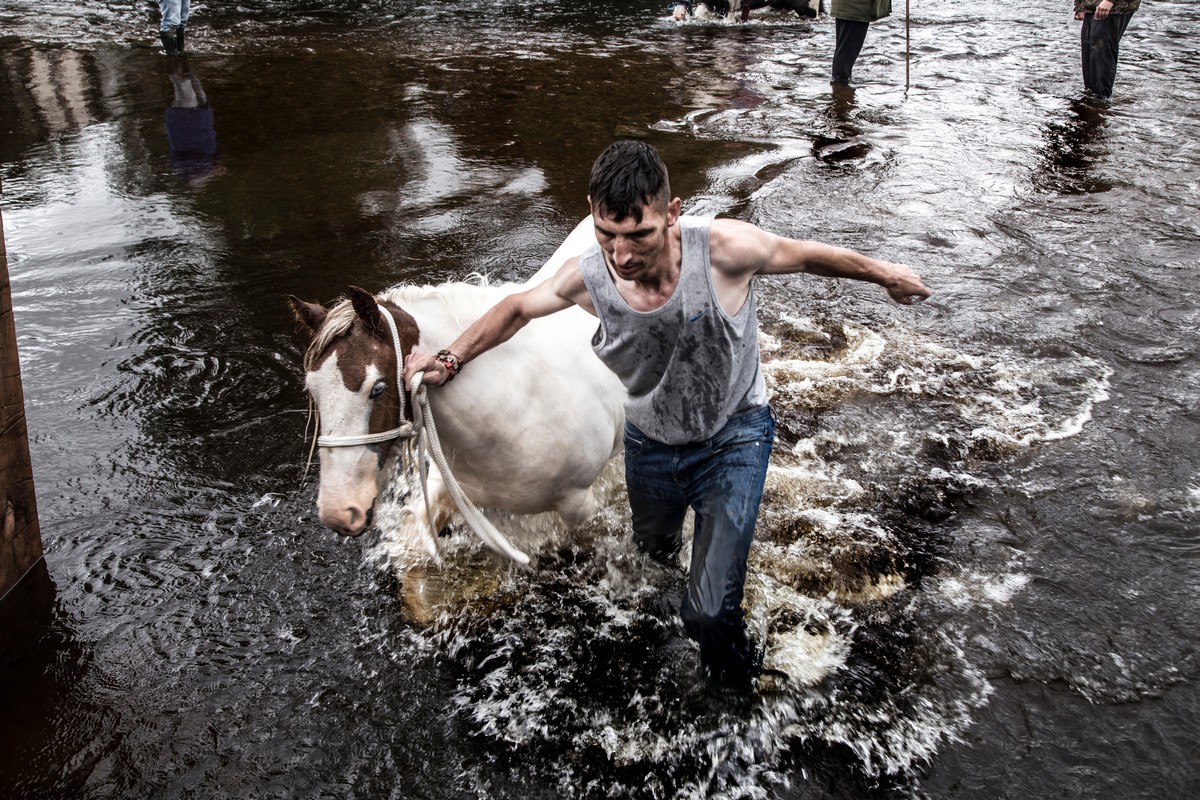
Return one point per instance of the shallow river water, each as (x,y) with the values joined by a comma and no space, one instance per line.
(977,555)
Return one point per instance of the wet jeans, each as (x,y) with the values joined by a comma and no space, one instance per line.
(174,13)
(722,480)
(1101,40)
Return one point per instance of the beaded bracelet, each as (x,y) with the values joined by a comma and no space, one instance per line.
(451,362)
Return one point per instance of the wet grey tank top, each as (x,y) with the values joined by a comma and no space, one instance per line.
(688,366)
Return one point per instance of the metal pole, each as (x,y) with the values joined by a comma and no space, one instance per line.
(906,44)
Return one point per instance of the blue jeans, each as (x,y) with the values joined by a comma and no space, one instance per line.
(722,480)
(174,13)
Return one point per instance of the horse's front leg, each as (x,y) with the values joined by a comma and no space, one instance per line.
(419,573)
(577,507)
(421,523)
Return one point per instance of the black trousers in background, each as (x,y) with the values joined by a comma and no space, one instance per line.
(850,37)
(1101,40)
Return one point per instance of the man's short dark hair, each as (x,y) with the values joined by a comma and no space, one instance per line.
(627,176)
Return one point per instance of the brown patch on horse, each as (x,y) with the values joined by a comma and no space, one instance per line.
(367,309)
(406,327)
(357,350)
(356,331)
(409,333)
(310,315)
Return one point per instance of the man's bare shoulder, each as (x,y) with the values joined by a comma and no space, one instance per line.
(568,285)
(738,248)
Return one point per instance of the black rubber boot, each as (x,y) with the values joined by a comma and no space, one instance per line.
(803,8)
(169,41)
(179,40)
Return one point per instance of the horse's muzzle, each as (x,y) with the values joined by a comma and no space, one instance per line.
(349,521)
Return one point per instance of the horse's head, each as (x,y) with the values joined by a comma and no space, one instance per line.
(351,374)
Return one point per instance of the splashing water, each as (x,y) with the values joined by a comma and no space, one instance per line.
(583,661)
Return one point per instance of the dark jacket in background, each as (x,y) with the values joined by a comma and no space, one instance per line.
(862,10)
(1119,6)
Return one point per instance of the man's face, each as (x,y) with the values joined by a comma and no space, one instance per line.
(632,248)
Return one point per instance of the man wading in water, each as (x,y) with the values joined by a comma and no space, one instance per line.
(679,327)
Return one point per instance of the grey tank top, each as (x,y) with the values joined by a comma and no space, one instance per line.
(688,366)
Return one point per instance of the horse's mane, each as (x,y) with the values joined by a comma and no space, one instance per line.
(464,300)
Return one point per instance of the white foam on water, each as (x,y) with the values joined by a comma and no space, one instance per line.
(807,638)
(525,687)
(909,729)
(968,589)
(268,500)
(1193,497)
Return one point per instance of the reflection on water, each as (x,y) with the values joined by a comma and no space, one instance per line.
(980,510)
(844,141)
(1072,147)
(58,83)
(191,130)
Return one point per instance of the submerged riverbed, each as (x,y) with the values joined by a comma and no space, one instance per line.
(977,552)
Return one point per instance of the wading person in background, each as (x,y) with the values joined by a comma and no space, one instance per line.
(170,29)
(852,18)
(1104,23)
(678,324)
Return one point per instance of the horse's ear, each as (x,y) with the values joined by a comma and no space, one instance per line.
(311,315)
(366,308)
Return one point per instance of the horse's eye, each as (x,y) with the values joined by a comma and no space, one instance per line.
(379,388)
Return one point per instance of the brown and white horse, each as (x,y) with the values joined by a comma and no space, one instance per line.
(526,428)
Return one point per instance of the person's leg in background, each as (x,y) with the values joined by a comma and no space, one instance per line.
(171,27)
(850,35)
(1101,41)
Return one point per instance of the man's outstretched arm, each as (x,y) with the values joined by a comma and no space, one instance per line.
(743,250)
(501,322)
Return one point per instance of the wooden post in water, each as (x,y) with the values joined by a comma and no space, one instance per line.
(20,536)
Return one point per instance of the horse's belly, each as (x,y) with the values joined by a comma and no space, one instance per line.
(527,456)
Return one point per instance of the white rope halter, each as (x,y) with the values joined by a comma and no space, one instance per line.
(428,444)
(405,429)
